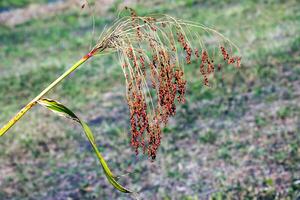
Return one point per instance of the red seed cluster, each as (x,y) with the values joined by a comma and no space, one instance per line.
(138,120)
(167,94)
(154,138)
(205,61)
(169,83)
(186,47)
(181,85)
(154,61)
(224,53)
(230,60)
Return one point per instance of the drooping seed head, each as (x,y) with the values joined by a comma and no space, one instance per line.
(152,51)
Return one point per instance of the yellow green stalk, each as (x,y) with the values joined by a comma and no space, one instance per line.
(20,114)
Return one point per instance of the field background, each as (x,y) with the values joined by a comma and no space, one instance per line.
(240,140)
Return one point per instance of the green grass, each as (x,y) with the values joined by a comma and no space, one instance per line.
(248,124)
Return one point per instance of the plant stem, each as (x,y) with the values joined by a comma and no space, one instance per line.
(9,124)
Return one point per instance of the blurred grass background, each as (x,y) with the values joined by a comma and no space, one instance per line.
(240,140)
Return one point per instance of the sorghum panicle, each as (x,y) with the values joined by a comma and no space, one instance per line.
(153,51)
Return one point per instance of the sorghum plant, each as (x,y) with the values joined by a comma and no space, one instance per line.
(152,51)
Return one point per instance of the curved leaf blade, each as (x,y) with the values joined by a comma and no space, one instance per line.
(62,110)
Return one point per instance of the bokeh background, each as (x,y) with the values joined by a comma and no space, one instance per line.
(239,140)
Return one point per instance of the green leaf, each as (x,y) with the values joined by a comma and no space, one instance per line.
(61,110)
